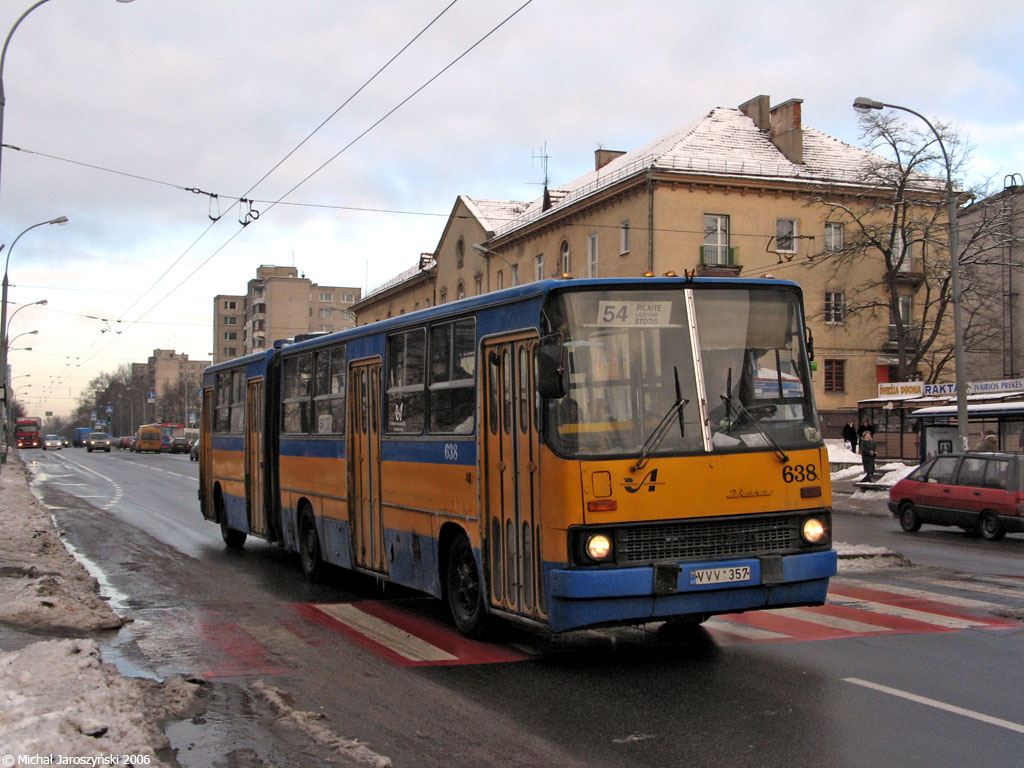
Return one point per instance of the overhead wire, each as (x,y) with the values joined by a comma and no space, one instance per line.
(325,164)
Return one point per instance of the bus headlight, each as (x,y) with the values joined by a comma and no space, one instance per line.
(598,547)
(813,531)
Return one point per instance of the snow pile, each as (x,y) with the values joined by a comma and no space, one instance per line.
(57,697)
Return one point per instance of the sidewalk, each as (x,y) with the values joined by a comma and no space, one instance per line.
(59,698)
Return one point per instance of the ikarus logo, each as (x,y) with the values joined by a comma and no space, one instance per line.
(649,481)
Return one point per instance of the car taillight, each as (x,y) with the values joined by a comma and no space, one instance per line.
(1020,504)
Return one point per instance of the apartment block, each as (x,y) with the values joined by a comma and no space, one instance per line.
(279,303)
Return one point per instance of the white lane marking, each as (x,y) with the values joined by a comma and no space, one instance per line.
(1009,725)
(825,620)
(950,622)
(118,491)
(938,597)
(742,630)
(388,635)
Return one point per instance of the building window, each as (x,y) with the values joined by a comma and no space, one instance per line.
(478,285)
(230,305)
(501,279)
(348,297)
(460,253)
(229,351)
(328,297)
(460,291)
(716,239)
(900,258)
(326,313)
(592,256)
(624,238)
(835,376)
(231,336)
(833,236)
(444,295)
(835,307)
(230,320)
(563,251)
(538,267)
(785,235)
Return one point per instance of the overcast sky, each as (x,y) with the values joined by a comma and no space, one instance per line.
(120,109)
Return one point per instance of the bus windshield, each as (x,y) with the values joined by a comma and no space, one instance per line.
(707,368)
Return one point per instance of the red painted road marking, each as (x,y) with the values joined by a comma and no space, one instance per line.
(450,647)
(231,651)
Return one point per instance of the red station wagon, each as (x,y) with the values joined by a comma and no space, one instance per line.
(979,492)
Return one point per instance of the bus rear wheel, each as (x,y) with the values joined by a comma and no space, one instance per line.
(463,589)
(233,539)
(309,549)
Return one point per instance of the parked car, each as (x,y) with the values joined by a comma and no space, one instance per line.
(193,452)
(52,443)
(178,445)
(98,441)
(979,492)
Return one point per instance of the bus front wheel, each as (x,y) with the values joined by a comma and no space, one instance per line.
(465,596)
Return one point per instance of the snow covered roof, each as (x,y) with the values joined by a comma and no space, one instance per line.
(494,213)
(725,142)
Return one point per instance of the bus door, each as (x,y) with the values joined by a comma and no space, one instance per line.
(254,458)
(511,478)
(206,454)
(365,513)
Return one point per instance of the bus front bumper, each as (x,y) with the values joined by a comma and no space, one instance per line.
(582,598)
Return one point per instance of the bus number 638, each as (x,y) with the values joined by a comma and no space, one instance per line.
(800,473)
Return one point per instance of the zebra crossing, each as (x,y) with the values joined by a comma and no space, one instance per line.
(413,632)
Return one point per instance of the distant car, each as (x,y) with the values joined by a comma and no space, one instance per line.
(178,445)
(98,441)
(124,442)
(52,443)
(193,452)
(65,442)
(979,492)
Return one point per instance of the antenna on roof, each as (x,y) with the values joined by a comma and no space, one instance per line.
(544,157)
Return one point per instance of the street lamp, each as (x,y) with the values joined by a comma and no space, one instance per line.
(865,105)
(3,307)
(488,252)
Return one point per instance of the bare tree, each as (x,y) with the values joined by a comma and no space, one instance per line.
(894,220)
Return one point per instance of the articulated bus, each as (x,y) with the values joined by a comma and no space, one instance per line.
(570,454)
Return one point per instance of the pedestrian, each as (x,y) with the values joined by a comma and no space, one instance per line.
(850,434)
(868,451)
(864,427)
(988,443)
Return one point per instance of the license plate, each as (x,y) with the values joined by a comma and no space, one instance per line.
(719,575)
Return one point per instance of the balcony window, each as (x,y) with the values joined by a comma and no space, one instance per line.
(716,240)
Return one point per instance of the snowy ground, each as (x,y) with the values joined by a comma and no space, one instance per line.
(57,697)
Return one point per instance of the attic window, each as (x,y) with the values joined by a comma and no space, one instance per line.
(460,253)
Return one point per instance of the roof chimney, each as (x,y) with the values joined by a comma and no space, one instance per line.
(604,156)
(757,109)
(787,133)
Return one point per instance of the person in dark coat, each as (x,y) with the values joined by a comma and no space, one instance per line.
(868,451)
(850,434)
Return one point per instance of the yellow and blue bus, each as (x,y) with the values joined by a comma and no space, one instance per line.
(567,453)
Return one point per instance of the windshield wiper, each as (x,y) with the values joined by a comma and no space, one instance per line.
(730,401)
(654,439)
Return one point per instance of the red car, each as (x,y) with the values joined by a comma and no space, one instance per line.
(979,492)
